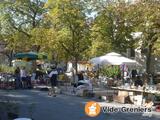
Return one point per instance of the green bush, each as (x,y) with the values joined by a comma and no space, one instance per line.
(157,97)
(6,69)
(110,71)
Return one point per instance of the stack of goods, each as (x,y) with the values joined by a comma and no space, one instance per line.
(122,95)
(138,100)
(158,86)
(110,82)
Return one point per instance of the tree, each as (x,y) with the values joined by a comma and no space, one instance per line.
(10,39)
(24,15)
(146,16)
(69,19)
(113,27)
(18,18)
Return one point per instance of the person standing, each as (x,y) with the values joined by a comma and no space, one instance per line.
(53,75)
(80,76)
(23,76)
(17,78)
(138,81)
(134,74)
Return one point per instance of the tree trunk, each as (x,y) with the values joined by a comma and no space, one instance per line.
(148,59)
(76,64)
(35,48)
(34,66)
(10,62)
(10,57)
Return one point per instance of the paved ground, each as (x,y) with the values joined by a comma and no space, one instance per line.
(61,107)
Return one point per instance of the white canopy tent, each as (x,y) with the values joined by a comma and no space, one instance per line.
(113,59)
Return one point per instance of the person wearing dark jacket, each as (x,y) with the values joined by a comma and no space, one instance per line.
(17,78)
(138,82)
(53,75)
(80,76)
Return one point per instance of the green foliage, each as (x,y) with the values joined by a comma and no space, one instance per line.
(6,69)
(17,19)
(69,20)
(66,30)
(110,71)
(145,16)
(113,28)
(157,97)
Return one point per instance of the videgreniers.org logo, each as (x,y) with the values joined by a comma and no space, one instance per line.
(93,109)
(126,109)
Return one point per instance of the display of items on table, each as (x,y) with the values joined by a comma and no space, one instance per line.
(158,86)
(142,90)
(82,85)
(83,88)
(122,97)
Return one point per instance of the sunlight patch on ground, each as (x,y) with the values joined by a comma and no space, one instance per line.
(16,96)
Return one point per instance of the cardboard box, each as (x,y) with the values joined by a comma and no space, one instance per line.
(119,99)
(123,93)
(130,93)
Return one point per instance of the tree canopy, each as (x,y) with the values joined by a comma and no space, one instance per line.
(79,29)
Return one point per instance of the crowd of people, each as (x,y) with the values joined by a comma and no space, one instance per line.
(25,80)
(138,79)
(22,79)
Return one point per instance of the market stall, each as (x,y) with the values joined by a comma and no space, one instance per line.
(146,97)
(32,62)
(113,59)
